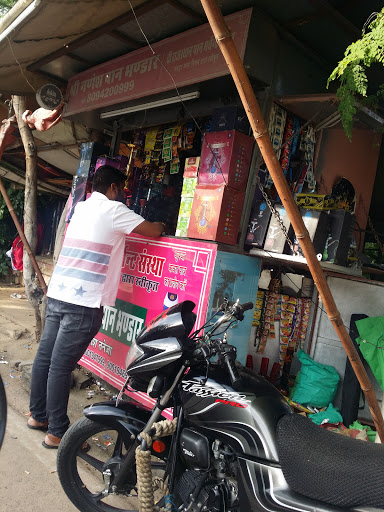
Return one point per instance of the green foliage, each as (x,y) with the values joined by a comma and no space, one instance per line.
(351,71)
(6,5)
(7,226)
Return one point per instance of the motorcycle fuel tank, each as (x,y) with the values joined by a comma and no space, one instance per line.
(245,419)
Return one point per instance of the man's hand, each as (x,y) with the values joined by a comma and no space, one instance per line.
(152,229)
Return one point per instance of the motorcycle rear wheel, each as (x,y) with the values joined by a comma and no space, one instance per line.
(81,473)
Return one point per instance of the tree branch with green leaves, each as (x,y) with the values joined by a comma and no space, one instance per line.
(5,6)
(352,71)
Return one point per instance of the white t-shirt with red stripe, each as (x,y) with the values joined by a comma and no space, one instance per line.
(88,270)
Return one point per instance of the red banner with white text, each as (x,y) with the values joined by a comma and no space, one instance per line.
(190,57)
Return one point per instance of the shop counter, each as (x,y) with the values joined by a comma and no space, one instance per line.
(156,274)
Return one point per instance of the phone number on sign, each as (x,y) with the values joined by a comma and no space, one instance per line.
(113,90)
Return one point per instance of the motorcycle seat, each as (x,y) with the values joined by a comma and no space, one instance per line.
(330,467)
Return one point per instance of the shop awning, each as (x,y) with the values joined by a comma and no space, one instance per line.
(44,41)
(56,40)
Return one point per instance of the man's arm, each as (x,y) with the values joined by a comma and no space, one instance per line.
(152,229)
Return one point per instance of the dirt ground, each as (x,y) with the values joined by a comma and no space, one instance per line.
(17,317)
(28,476)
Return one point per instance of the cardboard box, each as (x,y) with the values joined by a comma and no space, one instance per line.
(216,213)
(275,240)
(189,185)
(230,118)
(184,216)
(182,227)
(188,191)
(316,202)
(191,167)
(225,159)
(258,225)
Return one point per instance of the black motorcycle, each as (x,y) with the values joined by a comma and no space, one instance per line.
(237,446)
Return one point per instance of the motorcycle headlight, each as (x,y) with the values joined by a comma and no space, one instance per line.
(133,353)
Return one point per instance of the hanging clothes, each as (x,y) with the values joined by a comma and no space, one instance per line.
(17,249)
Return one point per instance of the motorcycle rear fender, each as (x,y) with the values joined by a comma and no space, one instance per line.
(130,415)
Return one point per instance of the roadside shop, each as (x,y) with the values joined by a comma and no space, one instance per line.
(181,136)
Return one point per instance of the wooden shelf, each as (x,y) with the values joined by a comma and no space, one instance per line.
(300,262)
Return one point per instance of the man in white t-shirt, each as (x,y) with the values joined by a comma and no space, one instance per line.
(85,278)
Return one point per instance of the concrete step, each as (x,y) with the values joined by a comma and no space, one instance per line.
(12,330)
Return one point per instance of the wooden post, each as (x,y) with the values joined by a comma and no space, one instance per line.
(224,39)
(33,291)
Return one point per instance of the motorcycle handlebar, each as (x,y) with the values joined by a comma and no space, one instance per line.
(246,306)
(227,356)
(239,309)
(229,363)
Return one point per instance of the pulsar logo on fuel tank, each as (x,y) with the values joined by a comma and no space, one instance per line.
(205,391)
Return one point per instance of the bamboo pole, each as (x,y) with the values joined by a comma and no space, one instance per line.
(224,39)
(22,236)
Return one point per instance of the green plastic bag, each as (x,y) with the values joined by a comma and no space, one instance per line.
(291,391)
(370,433)
(330,415)
(318,382)
(371,344)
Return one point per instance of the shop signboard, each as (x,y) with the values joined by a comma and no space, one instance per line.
(155,274)
(190,57)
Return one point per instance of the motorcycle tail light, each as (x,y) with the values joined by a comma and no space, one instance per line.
(159,446)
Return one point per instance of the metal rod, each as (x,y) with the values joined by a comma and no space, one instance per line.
(164,400)
(224,39)
(27,247)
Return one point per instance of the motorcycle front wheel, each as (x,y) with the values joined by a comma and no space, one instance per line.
(81,471)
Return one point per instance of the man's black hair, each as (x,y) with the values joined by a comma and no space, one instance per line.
(105,176)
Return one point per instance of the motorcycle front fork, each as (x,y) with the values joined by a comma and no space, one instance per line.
(129,460)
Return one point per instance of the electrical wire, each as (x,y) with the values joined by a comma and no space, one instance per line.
(178,92)
(205,326)
(217,162)
(21,69)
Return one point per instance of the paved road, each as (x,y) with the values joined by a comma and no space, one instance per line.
(28,478)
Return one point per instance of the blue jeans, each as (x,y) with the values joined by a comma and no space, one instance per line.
(68,330)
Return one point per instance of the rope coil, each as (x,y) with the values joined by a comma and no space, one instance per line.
(146,484)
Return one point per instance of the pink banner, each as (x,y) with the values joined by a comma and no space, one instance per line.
(156,274)
(190,57)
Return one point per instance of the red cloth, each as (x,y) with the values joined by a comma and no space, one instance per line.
(18,247)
